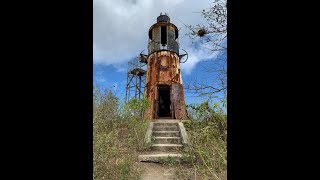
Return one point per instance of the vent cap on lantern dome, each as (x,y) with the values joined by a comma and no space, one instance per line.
(163,18)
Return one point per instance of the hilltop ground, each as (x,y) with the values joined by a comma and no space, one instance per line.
(118,139)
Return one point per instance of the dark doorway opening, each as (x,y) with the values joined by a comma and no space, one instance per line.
(164,101)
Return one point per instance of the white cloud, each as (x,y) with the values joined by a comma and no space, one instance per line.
(100,79)
(98,76)
(195,56)
(120,67)
(120,28)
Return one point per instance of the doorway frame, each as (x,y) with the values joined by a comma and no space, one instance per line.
(157,102)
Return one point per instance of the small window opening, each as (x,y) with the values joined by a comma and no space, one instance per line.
(176,33)
(163,35)
(150,34)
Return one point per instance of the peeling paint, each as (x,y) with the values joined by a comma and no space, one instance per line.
(163,72)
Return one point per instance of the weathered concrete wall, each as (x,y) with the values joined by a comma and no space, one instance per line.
(184,135)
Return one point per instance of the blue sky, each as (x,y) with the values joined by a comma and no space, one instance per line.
(120,33)
(108,76)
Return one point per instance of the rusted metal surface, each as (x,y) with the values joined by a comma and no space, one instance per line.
(176,98)
(173,44)
(136,75)
(138,72)
(143,58)
(163,68)
(172,38)
(163,18)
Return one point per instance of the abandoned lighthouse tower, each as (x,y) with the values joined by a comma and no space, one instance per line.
(163,85)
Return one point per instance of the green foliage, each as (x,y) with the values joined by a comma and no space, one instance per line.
(119,132)
(117,137)
(137,129)
(168,161)
(135,108)
(147,146)
(207,132)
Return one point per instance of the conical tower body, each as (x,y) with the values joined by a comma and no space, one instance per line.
(163,85)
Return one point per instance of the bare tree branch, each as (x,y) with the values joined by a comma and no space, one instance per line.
(212,37)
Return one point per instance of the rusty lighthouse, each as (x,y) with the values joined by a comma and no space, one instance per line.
(163,84)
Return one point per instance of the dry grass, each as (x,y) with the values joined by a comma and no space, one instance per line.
(118,138)
(207,131)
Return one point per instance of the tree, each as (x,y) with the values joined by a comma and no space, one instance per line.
(212,37)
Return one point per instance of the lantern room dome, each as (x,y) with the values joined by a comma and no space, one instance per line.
(163,18)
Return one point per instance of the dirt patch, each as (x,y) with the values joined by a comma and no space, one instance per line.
(156,171)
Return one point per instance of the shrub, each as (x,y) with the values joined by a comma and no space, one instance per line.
(118,136)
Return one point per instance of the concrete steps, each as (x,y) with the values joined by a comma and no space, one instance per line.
(166,137)
(166,128)
(167,141)
(166,147)
(157,157)
(156,124)
(166,133)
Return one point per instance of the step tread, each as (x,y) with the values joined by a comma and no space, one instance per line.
(166,131)
(165,126)
(167,137)
(167,145)
(165,122)
(162,155)
(159,156)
